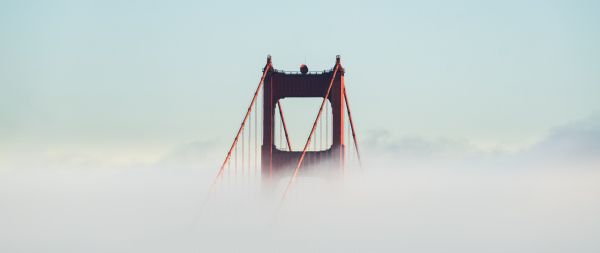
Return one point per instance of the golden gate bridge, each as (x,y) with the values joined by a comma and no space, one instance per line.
(325,150)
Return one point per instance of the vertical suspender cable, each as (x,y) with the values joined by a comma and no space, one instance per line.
(327,125)
(261,116)
(255,135)
(233,145)
(250,134)
(321,134)
(228,167)
(249,142)
(236,161)
(243,153)
(315,142)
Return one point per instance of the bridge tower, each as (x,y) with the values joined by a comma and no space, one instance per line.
(275,162)
(304,84)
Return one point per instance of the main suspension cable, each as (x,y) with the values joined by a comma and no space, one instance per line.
(352,127)
(266,70)
(295,174)
(287,137)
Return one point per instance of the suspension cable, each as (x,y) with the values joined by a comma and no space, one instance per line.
(236,161)
(280,134)
(293,178)
(235,140)
(352,127)
(287,137)
(347,141)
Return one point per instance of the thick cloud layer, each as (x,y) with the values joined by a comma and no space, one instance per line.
(449,197)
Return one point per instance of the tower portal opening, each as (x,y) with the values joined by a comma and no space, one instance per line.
(299,115)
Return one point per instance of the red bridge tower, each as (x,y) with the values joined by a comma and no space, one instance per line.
(279,85)
(274,162)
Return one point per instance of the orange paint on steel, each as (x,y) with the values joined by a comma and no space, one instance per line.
(327,125)
(287,137)
(243,152)
(321,133)
(249,143)
(280,133)
(255,137)
(352,127)
(312,131)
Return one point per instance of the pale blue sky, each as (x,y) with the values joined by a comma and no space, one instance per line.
(145,76)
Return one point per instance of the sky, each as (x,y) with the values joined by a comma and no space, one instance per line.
(478,122)
(143,77)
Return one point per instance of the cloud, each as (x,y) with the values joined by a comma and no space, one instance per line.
(191,152)
(436,205)
(383,145)
(384,209)
(578,140)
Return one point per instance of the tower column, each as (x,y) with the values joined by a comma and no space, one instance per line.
(336,97)
(278,85)
(268,124)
